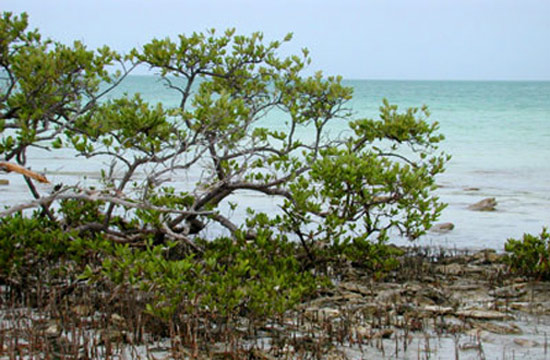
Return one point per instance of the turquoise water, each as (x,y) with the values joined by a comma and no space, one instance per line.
(501,127)
(498,134)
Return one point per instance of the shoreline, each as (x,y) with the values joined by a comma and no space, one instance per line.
(436,304)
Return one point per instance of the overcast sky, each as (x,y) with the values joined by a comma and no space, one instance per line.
(368,39)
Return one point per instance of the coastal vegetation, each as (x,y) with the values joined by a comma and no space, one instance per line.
(172,261)
(530,256)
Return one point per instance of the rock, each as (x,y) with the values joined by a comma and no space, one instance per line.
(373,308)
(321,314)
(383,334)
(443,227)
(118,320)
(451,269)
(82,310)
(53,330)
(389,296)
(487,256)
(523,306)
(471,189)
(483,315)
(531,307)
(509,292)
(335,354)
(330,301)
(351,298)
(437,310)
(511,329)
(459,269)
(261,355)
(4,182)
(487,204)
(525,342)
(363,332)
(470,346)
(464,287)
(108,336)
(356,288)
(431,296)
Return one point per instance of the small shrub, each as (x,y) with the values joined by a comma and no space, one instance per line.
(28,243)
(231,277)
(530,256)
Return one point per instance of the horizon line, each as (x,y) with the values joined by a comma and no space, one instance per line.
(408,79)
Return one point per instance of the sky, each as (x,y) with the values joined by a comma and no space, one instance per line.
(368,39)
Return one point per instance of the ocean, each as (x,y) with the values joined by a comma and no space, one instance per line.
(498,134)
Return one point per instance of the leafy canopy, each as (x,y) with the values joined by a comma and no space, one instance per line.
(377,178)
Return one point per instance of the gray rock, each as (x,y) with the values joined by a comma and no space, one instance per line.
(53,330)
(363,332)
(383,334)
(487,204)
(500,329)
(321,314)
(526,342)
(356,288)
(509,292)
(483,315)
(443,227)
(486,256)
(389,296)
(438,310)
(451,269)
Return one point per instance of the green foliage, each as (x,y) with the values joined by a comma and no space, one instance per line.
(377,257)
(44,85)
(530,256)
(260,279)
(33,249)
(26,242)
(77,212)
(127,123)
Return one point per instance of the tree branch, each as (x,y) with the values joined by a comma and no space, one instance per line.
(97,196)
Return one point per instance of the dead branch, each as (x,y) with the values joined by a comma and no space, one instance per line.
(9,167)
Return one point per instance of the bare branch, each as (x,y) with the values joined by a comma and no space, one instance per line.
(225,222)
(176,236)
(97,196)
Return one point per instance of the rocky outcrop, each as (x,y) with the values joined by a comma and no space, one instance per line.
(467,293)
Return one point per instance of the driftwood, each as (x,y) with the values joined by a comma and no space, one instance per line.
(9,167)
